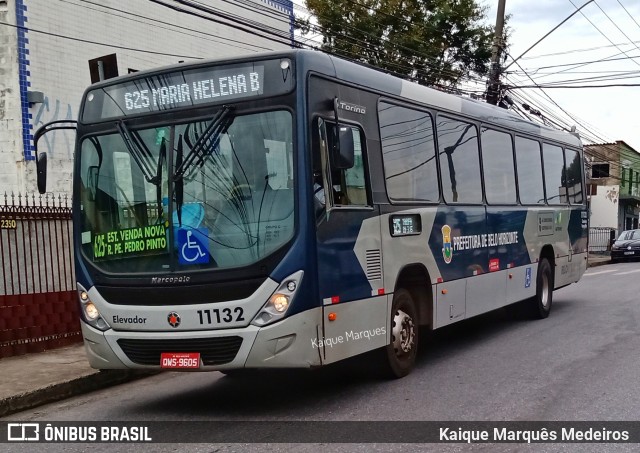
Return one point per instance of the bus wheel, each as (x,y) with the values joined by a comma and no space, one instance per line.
(541,303)
(401,351)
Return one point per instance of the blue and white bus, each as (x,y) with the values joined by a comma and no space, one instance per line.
(294,209)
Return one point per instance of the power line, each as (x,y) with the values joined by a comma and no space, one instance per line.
(368,10)
(632,18)
(88,41)
(589,136)
(580,64)
(252,48)
(209,10)
(572,51)
(277,38)
(616,25)
(552,30)
(600,31)
(239,19)
(347,56)
(611,85)
(577,121)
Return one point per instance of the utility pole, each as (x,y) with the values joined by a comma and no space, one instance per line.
(494,76)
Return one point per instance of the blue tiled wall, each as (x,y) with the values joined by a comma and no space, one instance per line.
(287,6)
(23,67)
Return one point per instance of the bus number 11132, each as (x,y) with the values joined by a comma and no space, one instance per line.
(206,316)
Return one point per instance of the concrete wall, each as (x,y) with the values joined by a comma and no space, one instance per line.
(142,34)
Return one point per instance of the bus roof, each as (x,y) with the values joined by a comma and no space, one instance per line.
(375,79)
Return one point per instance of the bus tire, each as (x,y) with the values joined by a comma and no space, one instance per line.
(400,353)
(541,303)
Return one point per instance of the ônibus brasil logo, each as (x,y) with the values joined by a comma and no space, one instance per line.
(447,250)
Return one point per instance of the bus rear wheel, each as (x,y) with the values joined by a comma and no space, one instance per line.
(541,303)
(400,353)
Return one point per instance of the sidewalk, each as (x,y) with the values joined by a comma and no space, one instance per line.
(31,380)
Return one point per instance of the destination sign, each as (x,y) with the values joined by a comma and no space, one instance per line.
(230,85)
(187,88)
(130,241)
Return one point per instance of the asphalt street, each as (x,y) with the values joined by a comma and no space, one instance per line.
(579,364)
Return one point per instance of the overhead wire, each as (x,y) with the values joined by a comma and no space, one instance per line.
(98,43)
(211,37)
(202,8)
(573,51)
(593,139)
(265,34)
(600,31)
(446,72)
(629,14)
(128,48)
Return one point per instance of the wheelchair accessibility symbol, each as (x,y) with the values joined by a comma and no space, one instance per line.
(192,244)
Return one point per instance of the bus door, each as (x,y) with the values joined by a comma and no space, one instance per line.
(459,235)
(348,247)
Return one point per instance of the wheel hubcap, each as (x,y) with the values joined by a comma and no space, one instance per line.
(403,333)
(544,297)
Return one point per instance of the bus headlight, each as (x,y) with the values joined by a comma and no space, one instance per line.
(279,302)
(90,312)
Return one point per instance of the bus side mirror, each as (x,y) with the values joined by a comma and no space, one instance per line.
(41,171)
(342,153)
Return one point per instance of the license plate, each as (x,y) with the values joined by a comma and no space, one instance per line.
(629,253)
(180,360)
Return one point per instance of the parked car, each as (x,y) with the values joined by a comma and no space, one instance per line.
(627,246)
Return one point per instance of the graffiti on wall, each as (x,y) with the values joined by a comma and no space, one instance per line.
(3,95)
(54,111)
(612,195)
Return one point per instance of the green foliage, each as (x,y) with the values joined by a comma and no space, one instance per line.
(433,42)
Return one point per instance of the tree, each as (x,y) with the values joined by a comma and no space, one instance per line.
(433,42)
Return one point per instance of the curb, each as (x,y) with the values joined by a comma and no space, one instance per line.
(73,387)
(597,263)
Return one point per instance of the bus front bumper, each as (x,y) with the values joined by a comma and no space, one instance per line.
(284,344)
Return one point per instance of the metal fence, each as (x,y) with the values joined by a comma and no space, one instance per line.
(600,239)
(38,301)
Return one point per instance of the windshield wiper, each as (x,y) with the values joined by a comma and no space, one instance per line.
(162,156)
(205,143)
(139,151)
(178,184)
(144,159)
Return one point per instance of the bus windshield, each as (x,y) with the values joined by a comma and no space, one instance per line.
(210,194)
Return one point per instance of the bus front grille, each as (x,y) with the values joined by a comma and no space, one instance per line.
(213,351)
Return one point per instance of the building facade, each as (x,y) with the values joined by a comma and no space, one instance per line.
(50,51)
(614,185)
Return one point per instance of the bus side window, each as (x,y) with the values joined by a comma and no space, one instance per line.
(408,153)
(573,178)
(459,161)
(498,168)
(554,174)
(529,166)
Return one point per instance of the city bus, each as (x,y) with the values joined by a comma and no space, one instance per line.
(293,209)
